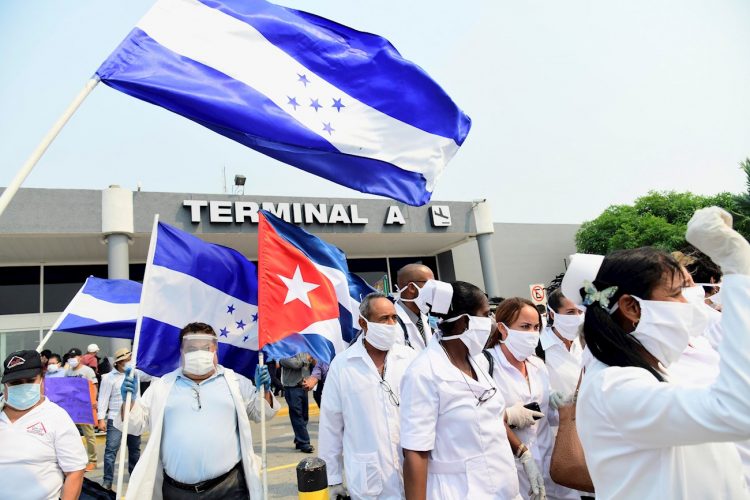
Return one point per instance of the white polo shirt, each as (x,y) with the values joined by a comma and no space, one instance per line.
(35,450)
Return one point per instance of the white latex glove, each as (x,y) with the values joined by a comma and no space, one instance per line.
(337,490)
(519,417)
(710,231)
(536,480)
(558,399)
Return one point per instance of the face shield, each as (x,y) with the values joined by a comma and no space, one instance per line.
(198,352)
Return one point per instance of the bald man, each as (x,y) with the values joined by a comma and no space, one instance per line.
(417,332)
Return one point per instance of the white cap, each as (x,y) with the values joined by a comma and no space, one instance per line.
(438,294)
(583,267)
(92,348)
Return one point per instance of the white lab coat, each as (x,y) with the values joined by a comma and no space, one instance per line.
(358,420)
(539,437)
(652,440)
(148,412)
(564,366)
(415,339)
(470,457)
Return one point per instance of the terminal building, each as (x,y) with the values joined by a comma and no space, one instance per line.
(51,240)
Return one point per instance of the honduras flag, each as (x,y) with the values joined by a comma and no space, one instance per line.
(188,280)
(308,299)
(330,100)
(105,308)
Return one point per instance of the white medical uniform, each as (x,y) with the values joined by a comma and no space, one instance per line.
(35,452)
(539,437)
(359,420)
(647,439)
(699,366)
(470,457)
(563,365)
(713,330)
(412,332)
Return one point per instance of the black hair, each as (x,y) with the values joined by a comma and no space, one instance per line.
(54,355)
(46,353)
(554,302)
(702,268)
(196,328)
(467,298)
(634,272)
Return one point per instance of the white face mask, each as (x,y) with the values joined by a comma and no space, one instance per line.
(476,335)
(380,335)
(665,328)
(198,362)
(73,362)
(419,300)
(520,343)
(694,294)
(568,325)
(53,367)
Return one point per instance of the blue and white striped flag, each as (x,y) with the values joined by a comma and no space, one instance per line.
(325,98)
(188,280)
(105,308)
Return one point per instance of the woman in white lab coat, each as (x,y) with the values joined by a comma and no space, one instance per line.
(452,431)
(561,344)
(522,378)
(643,436)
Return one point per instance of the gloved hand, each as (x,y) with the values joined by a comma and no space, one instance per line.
(710,231)
(262,377)
(519,417)
(558,399)
(337,490)
(536,479)
(129,385)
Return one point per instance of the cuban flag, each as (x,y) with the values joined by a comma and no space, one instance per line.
(320,96)
(188,280)
(308,299)
(102,307)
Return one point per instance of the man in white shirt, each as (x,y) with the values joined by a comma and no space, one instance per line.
(199,416)
(109,405)
(41,454)
(359,416)
(77,369)
(415,327)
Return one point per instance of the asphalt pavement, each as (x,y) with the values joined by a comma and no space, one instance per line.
(282,456)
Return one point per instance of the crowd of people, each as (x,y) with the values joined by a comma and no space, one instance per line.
(445,395)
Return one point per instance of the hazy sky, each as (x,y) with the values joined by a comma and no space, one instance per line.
(575,104)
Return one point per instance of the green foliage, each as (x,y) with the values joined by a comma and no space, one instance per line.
(658,219)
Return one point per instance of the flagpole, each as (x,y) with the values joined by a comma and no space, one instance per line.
(57,323)
(15,184)
(263,450)
(134,356)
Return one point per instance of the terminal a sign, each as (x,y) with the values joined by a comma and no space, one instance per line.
(241,212)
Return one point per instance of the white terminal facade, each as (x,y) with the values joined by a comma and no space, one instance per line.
(52,239)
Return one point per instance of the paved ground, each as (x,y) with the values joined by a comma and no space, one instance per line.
(282,457)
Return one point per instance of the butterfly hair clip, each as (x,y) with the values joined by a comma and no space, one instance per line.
(593,295)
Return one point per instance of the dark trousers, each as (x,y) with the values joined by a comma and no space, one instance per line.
(296,398)
(233,487)
(114,436)
(318,392)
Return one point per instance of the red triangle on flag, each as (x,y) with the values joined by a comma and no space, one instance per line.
(292,292)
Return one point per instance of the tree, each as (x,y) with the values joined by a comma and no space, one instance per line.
(658,219)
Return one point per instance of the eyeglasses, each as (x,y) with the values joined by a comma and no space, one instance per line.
(486,395)
(391,395)
(197,396)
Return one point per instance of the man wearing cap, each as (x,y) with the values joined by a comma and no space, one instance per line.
(91,358)
(41,454)
(109,405)
(199,415)
(78,369)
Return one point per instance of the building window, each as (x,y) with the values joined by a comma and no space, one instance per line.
(17,341)
(370,270)
(19,290)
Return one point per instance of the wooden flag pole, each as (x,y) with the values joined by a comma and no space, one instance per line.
(133,359)
(15,184)
(263,449)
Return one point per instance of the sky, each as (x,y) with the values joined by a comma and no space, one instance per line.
(575,105)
